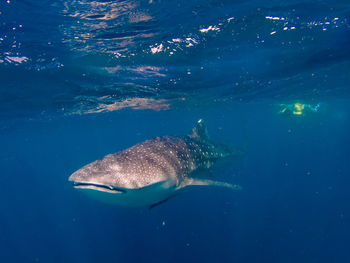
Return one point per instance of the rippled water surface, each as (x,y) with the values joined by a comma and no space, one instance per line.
(92,56)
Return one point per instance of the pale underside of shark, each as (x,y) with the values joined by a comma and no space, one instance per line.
(151,172)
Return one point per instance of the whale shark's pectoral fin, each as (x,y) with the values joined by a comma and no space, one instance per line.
(158,203)
(194,181)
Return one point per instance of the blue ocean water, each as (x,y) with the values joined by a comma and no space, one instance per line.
(82,79)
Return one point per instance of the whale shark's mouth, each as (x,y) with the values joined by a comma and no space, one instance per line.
(99,187)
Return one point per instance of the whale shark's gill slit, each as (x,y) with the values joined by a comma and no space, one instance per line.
(108,187)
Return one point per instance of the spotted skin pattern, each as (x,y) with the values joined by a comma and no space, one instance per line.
(166,163)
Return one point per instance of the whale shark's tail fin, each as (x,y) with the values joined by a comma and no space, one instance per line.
(200,132)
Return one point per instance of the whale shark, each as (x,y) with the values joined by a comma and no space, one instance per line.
(149,173)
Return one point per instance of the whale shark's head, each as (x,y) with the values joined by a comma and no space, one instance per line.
(93,183)
(125,178)
(92,177)
(101,175)
(106,189)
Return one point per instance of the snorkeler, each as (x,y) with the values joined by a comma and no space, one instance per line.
(298,108)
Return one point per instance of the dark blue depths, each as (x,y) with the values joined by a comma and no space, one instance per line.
(64,65)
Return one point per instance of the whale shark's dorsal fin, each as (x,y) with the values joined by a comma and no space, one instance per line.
(200,132)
